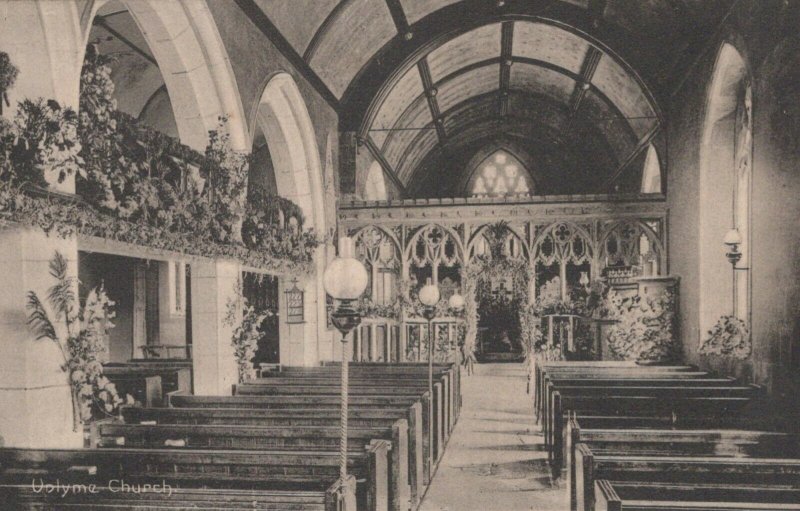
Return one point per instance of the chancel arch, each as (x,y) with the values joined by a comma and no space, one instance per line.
(725,189)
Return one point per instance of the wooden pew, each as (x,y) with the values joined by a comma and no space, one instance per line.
(605,380)
(429,445)
(294,438)
(696,442)
(146,390)
(644,405)
(677,466)
(172,378)
(588,372)
(301,386)
(679,390)
(253,470)
(418,475)
(105,498)
(626,496)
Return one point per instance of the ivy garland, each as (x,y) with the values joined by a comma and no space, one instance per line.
(8,75)
(140,186)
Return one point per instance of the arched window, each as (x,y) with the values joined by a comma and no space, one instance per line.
(500,175)
(375,187)
(651,175)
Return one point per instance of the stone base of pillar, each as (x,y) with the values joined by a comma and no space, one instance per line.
(35,402)
(214,363)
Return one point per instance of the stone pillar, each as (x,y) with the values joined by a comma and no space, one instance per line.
(35,400)
(213,287)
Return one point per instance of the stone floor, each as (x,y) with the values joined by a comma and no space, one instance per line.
(495,459)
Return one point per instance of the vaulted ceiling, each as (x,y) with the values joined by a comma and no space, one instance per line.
(417,78)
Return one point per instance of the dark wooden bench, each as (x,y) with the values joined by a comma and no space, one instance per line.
(173,379)
(676,466)
(236,437)
(626,496)
(676,391)
(271,470)
(111,498)
(588,372)
(145,390)
(430,449)
(696,442)
(650,380)
(646,405)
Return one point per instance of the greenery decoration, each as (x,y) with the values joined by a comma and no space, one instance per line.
(140,186)
(645,327)
(40,142)
(8,75)
(246,332)
(83,345)
(730,337)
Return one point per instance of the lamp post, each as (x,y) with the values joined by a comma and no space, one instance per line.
(429,297)
(732,240)
(456,303)
(345,279)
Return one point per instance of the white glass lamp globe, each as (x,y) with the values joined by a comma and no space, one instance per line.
(429,294)
(456,302)
(345,277)
(732,238)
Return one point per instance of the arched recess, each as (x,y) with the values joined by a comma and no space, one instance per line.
(194,63)
(725,176)
(514,246)
(375,184)
(651,174)
(282,116)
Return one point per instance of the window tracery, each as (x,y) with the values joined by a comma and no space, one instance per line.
(501,175)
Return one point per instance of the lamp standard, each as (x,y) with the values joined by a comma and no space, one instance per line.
(429,297)
(456,303)
(345,279)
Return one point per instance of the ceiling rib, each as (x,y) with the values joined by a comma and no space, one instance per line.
(323,29)
(399,18)
(265,25)
(506,61)
(588,67)
(430,94)
(385,165)
(641,146)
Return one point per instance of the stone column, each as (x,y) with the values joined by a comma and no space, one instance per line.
(213,287)
(35,400)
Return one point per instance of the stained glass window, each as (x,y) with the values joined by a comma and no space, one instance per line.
(501,175)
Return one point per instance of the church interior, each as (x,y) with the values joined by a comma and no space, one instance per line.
(400,255)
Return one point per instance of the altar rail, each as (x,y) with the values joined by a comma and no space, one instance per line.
(392,341)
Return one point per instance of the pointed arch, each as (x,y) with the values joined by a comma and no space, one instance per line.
(500,173)
(651,175)
(725,182)
(375,184)
(194,63)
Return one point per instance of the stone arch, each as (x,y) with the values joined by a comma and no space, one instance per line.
(729,91)
(282,116)
(375,184)
(651,174)
(194,63)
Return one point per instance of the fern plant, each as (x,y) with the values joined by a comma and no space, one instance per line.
(83,342)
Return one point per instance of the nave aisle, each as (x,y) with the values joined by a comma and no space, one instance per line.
(495,460)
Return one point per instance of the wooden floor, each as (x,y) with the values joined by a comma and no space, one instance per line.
(495,459)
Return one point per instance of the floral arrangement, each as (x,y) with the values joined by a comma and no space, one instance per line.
(138,185)
(645,327)
(83,347)
(8,75)
(730,336)
(40,142)
(369,309)
(246,333)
